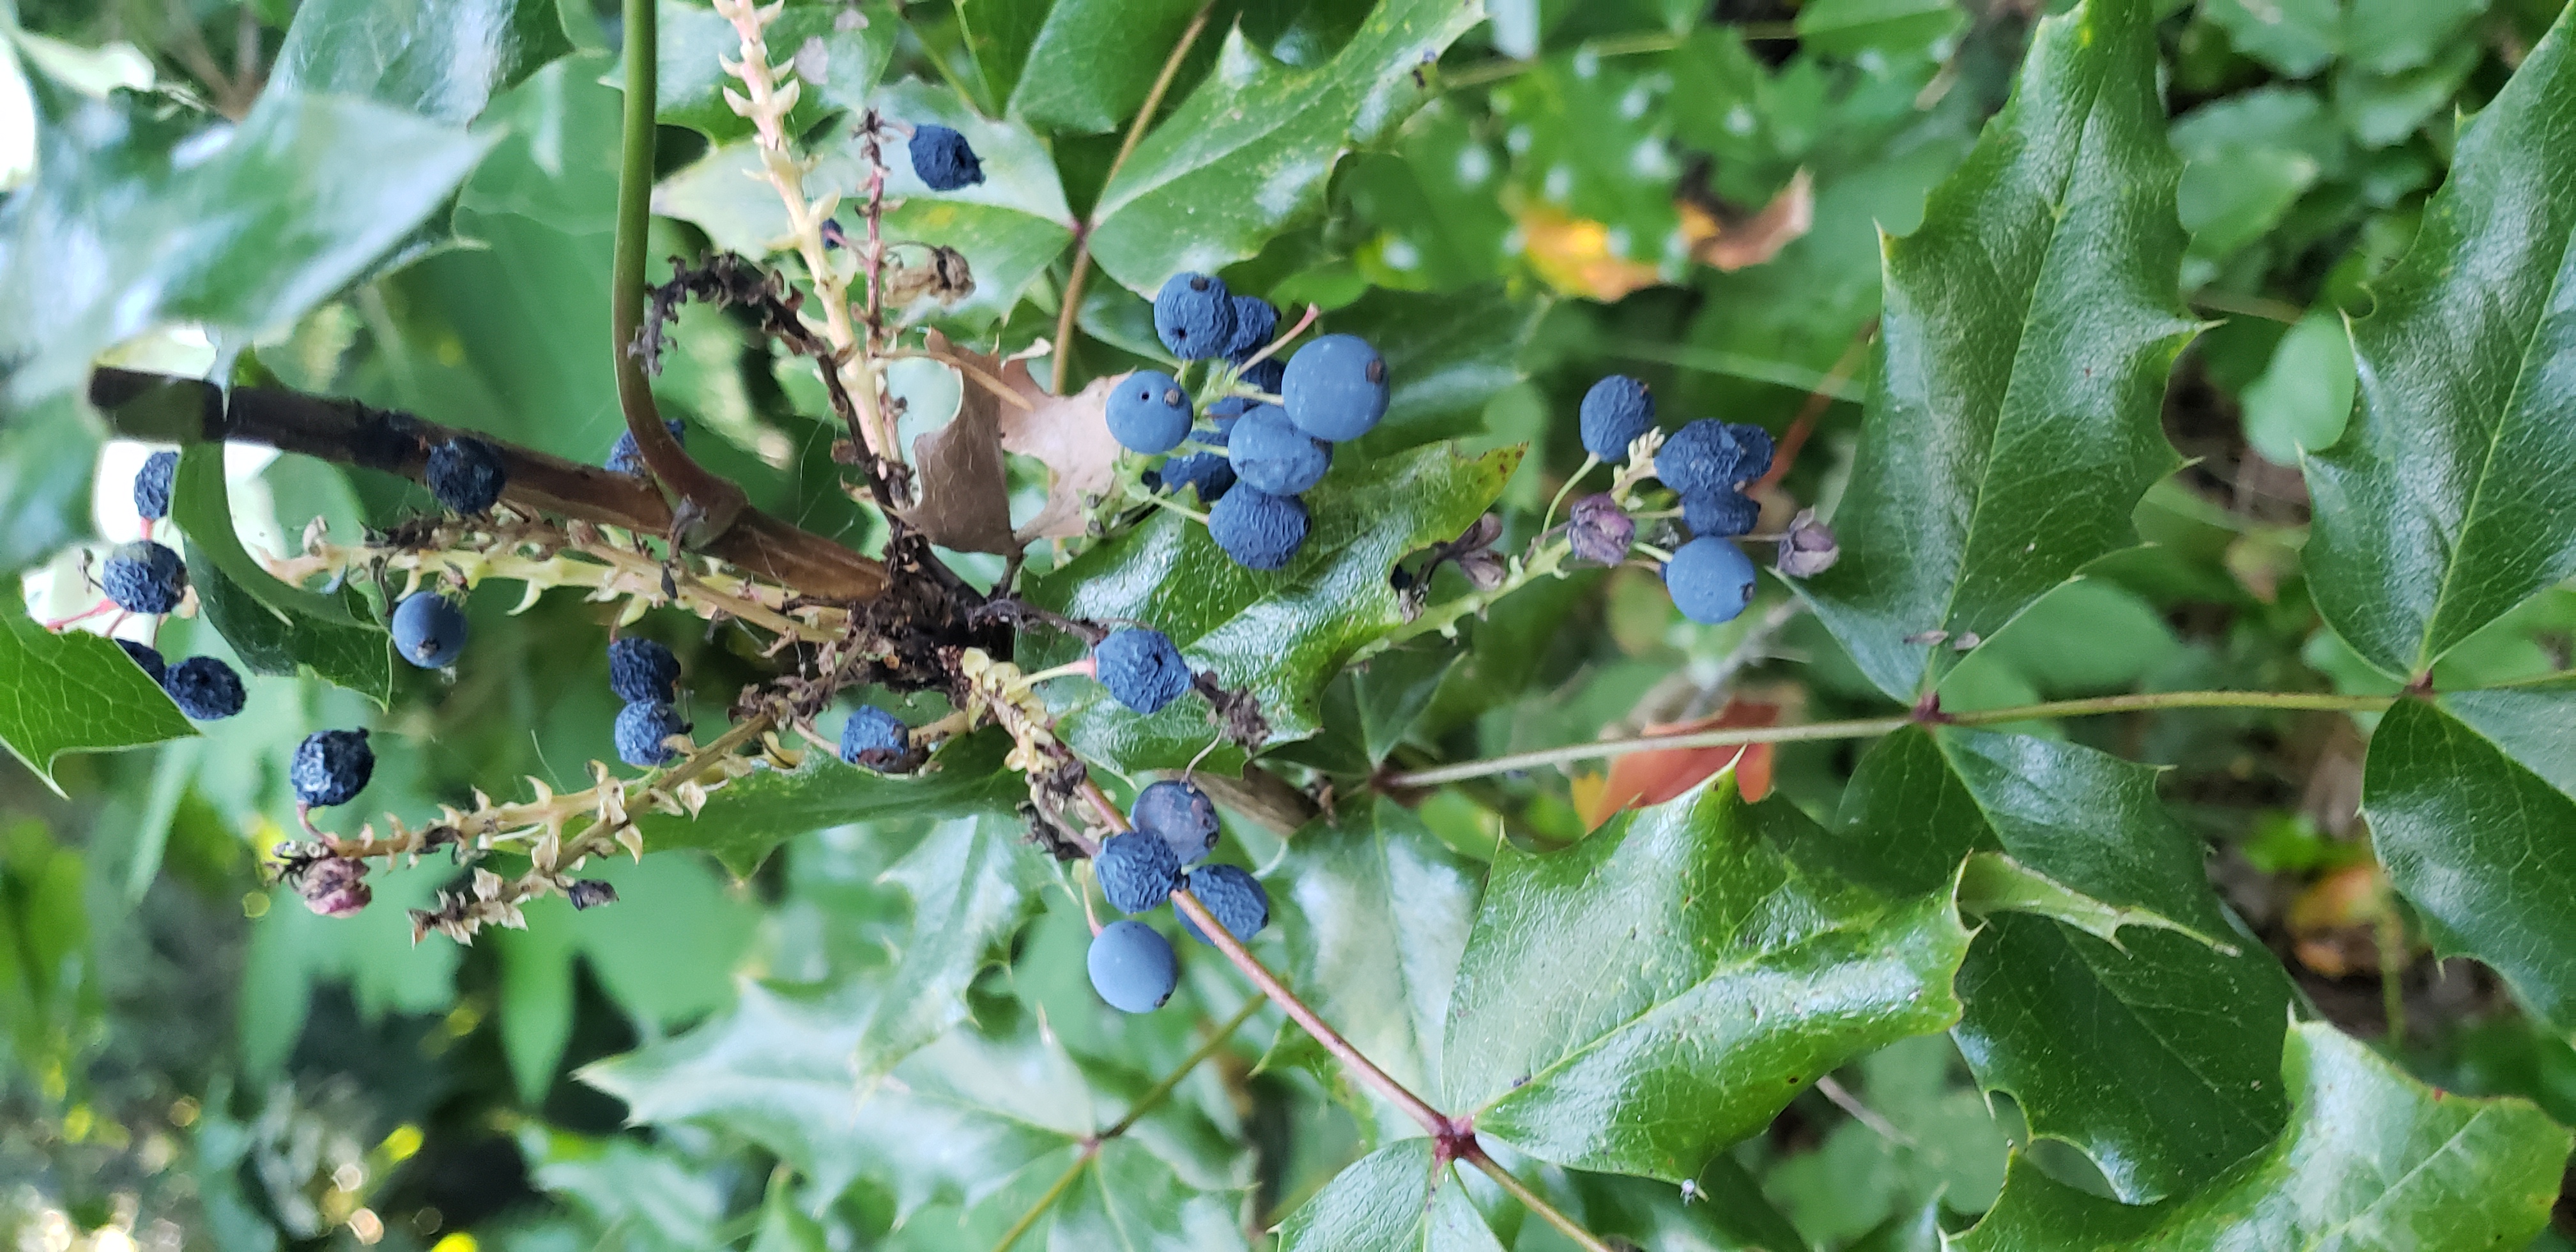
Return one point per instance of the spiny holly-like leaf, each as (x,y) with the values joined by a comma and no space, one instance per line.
(274,626)
(73,692)
(2157,1057)
(2471,799)
(1092,61)
(2029,325)
(1994,883)
(1250,150)
(1446,355)
(1640,1000)
(2372,1159)
(2448,501)
(261,222)
(1396,1199)
(748,816)
(834,51)
(972,882)
(1283,635)
(441,59)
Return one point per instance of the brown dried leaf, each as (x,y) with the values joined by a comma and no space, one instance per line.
(1071,435)
(965,493)
(1729,244)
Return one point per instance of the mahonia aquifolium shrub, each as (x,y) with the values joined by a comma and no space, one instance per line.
(331,767)
(1132,967)
(429,630)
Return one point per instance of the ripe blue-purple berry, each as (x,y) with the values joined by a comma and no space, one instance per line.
(1259,530)
(144,577)
(1208,472)
(152,485)
(1710,580)
(1148,412)
(1614,413)
(1233,896)
(1335,388)
(1132,967)
(642,670)
(878,740)
(1255,321)
(1178,814)
(1272,454)
(331,767)
(1753,446)
(466,474)
(1137,871)
(943,159)
(1700,458)
(204,688)
(1266,375)
(641,728)
(1141,669)
(429,630)
(626,458)
(1194,316)
(146,656)
(1723,513)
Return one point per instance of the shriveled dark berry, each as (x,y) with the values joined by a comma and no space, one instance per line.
(1614,413)
(878,740)
(1259,530)
(331,767)
(642,669)
(146,656)
(1208,473)
(943,159)
(144,577)
(590,893)
(1723,513)
(152,485)
(1700,458)
(626,458)
(1272,453)
(1180,815)
(204,688)
(1137,871)
(1141,669)
(1255,321)
(641,728)
(466,474)
(1233,896)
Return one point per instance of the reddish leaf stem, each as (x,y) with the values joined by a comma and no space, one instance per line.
(1474,1154)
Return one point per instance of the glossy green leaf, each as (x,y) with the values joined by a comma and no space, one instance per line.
(2304,397)
(275,627)
(748,816)
(2470,801)
(117,236)
(1092,62)
(973,882)
(689,84)
(2372,1159)
(2028,328)
(2446,503)
(1644,998)
(441,59)
(73,692)
(1283,635)
(2155,1057)
(1721,1210)
(1250,150)
(1994,883)
(1396,1199)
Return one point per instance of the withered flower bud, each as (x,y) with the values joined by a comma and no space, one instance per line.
(1808,547)
(1599,530)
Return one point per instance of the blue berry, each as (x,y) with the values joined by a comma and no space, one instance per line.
(1149,413)
(642,670)
(1710,580)
(1723,513)
(1132,967)
(878,740)
(1272,454)
(1335,388)
(1614,413)
(144,577)
(429,630)
(1700,458)
(466,474)
(943,158)
(1259,530)
(1210,473)
(1255,321)
(641,728)
(1266,375)
(1178,814)
(152,485)
(204,688)
(1754,445)
(625,458)
(1233,896)
(147,656)
(1141,669)
(1194,316)
(1137,871)
(331,767)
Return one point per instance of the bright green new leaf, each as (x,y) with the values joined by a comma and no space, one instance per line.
(1396,1199)
(73,692)
(1644,998)
(2448,501)
(1250,150)
(2156,1056)
(441,59)
(748,816)
(1283,635)
(2372,1160)
(2471,799)
(2028,328)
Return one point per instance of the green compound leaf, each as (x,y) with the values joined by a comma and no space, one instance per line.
(1642,999)
(2470,800)
(2156,1057)
(1396,1199)
(441,59)
(747,817)
(2447,502)
(1250,150)
(275,627)
(1283,635)
(2372,1159)
(2029,326)
(73,692)
(689,83)
(973,882)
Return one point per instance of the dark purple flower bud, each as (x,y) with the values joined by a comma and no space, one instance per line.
(1807,548)
(335,886)
(590,893)
(1600,531)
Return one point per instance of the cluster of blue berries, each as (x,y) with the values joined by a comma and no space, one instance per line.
(1174,826)
(149,578)
(1256,457)
(646,676)
(1707,463)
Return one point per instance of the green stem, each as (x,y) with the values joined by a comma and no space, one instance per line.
(1047,1201)
(1445,617)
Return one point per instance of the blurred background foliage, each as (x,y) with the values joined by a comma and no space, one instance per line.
(1687,190)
